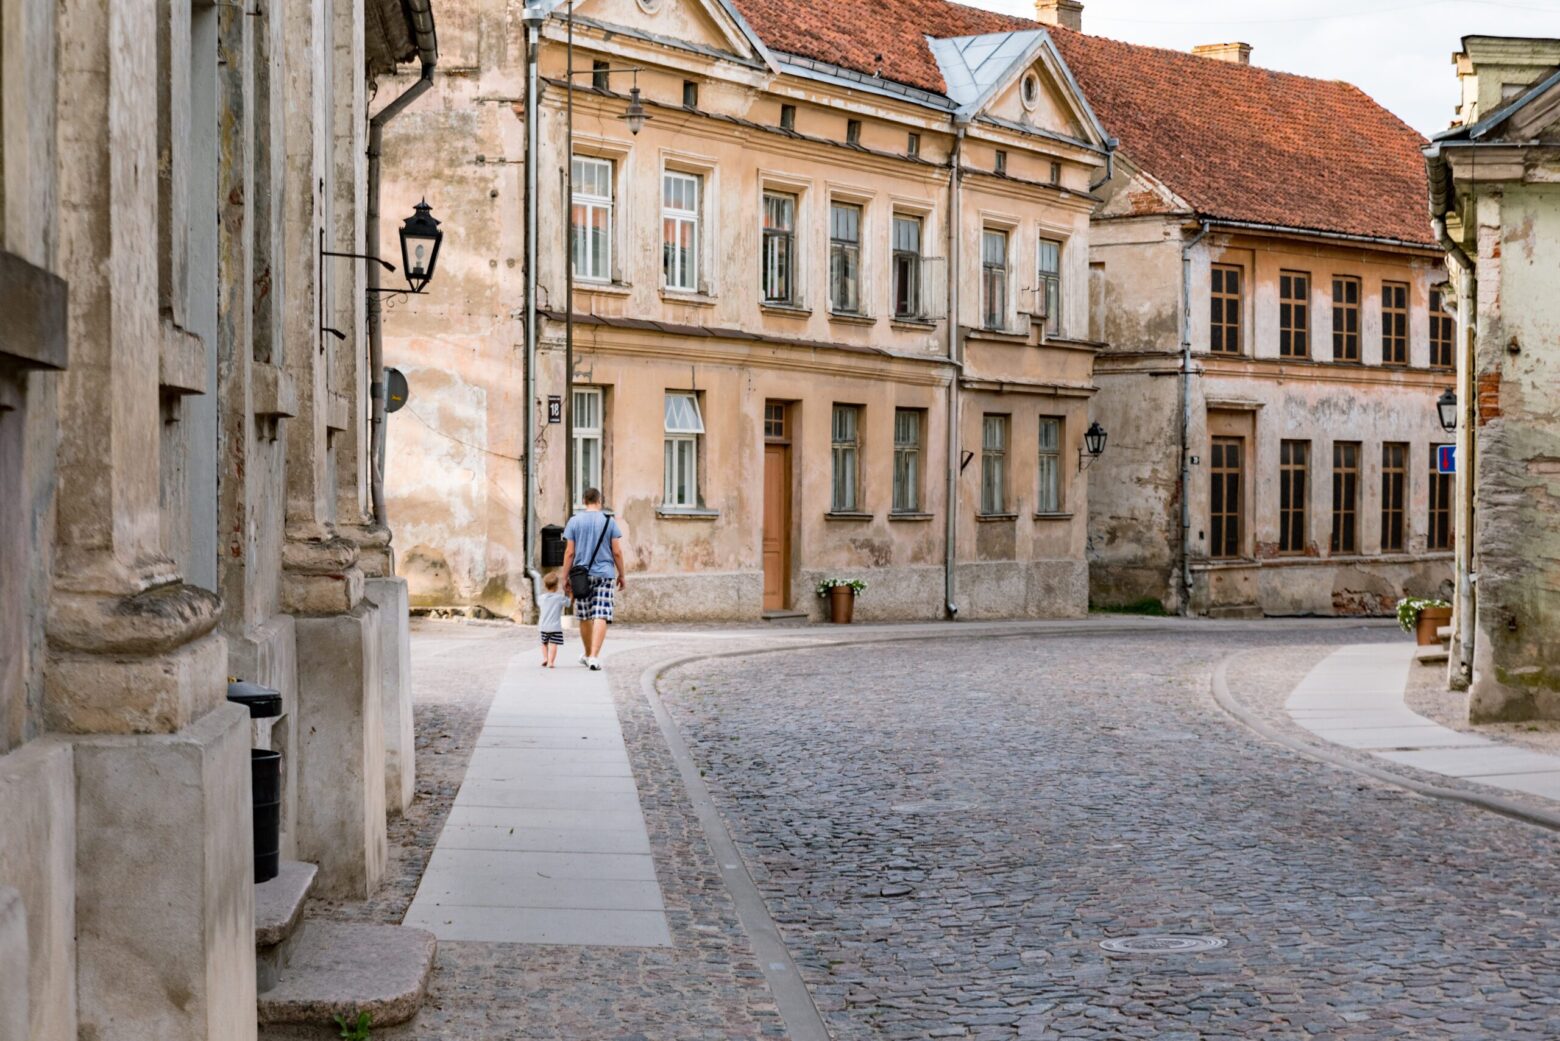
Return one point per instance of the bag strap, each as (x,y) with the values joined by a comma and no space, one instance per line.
(606,522)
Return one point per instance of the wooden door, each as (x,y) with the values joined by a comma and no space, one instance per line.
(777,526)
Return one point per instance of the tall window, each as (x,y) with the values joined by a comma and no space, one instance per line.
(1440,527)
(680,199)
(847,459)
(1294,314)
(1394,323)
(1394,486)
(779,259)
(1294,481)
(993,278)
(592,219)
(1346,318)
(844,258)
(907,266)
(907,460)
(1443,330)
(1224,309)
(1345,496)
(684,425)
(1050,288)
(1048,489)
(588,420)
(993,464)
(1225,496)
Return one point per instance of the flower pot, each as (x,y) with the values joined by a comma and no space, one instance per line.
(1431,619)
(842,604)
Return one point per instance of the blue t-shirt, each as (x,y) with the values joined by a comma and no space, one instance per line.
(583,530)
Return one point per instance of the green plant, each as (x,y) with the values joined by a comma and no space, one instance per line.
(857,586)
(354,1029)
(1409,607)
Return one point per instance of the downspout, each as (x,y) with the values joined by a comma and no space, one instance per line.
(1186,417)
(955,355)
(421,17)
(534,17)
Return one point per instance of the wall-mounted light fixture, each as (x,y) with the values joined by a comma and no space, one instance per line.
(420,241)
(1093,445)
(1446,405)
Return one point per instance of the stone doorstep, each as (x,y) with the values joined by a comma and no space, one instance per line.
(278,915)
(382,970)
(1433,654)
(1236,612)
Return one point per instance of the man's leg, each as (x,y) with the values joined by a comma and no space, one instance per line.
(587,630)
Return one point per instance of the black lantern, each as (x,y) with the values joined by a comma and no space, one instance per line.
(1446,405)
(635,115)
(1094,439)
(420,238)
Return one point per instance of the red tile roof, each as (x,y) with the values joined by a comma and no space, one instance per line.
(1236,142)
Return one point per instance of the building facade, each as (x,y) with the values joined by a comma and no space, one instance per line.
(1495,197)
(1276,338)
(184,394)
(829,313)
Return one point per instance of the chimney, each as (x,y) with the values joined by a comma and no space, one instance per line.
(1066,13)
(1238,53)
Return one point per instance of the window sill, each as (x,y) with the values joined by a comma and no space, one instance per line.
(847,515)
(603,288)
(1000,335)
(685,513)
(681,296)
(908,516)
(913,323)
(1054,516)
(993,517)
(850,318)
(786,310)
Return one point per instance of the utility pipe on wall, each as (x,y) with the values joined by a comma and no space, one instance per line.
(534,17)
(1186,417)
(951,508)
(428,54)
(1467,282)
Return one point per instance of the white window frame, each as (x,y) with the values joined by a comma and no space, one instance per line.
(907,461)
(1049,493)
(677,217)
(844,252)
(846,458)
(1048,284)
(683,422)
(996,319)
(588,433)
(586,262)
(915,274)
(792,296)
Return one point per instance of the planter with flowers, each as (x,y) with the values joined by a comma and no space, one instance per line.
(841,594)
(1423,618)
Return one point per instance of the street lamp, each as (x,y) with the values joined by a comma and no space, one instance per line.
(1446,405)
(420,239)
(1093,445)
(635,115)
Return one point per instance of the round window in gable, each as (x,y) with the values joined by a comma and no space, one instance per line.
(1029,90)
(650,6)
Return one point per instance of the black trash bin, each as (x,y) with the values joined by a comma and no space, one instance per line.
(552,546)
(265,768)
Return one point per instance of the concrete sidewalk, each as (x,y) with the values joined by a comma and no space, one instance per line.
(546,842)
(1355,698)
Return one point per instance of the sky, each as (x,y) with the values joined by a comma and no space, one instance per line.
(1398,51)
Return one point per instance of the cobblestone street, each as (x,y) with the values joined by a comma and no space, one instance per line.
(947,829)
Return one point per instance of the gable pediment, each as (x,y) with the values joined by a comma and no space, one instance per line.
(1018,79)
(709,25)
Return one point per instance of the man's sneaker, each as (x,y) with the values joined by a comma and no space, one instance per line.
(584,660)
(594,664)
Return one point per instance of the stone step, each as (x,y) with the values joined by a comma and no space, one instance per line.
(335,968)
(1434,654)
(1443,633)
(1237,612)
(278,913)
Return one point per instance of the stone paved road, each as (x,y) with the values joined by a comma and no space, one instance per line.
(947,829)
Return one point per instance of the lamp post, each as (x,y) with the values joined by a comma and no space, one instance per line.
(1446,406)
(1093,445)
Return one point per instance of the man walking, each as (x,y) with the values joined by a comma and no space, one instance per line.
(598,543)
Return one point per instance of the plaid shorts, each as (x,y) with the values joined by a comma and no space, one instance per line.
(556,637)
(598,604)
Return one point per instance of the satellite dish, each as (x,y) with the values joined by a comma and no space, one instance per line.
(396,390)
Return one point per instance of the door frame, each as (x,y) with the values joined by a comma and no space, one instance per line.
(782,441)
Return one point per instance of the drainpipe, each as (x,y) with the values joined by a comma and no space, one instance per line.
(955,355)
(1186,417)
(421,17)
(534,17)
(1467,293)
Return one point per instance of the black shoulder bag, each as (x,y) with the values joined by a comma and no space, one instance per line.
(579,574)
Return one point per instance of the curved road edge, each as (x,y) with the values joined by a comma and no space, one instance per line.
(1220,689)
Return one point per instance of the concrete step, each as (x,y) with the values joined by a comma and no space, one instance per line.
(1432,655)
(1237,612)
(1444,633)
(335,968)
(279,902)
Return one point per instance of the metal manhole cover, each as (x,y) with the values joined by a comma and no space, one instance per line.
(1161,944)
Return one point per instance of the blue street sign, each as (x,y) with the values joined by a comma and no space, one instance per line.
(1446,459)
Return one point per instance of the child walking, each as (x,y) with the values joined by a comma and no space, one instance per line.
(552,621)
